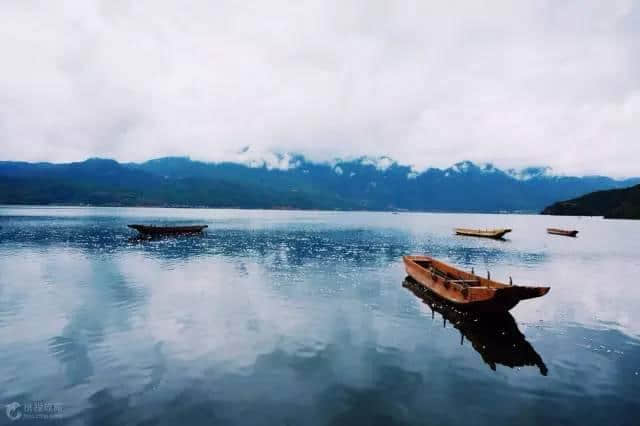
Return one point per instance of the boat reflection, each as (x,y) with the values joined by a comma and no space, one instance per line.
(495,337)
(140,238)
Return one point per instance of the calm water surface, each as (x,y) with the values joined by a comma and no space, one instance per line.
(301,318)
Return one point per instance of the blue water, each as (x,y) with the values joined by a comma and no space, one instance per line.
(301,318)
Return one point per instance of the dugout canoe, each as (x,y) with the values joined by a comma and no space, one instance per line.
(467,290)
(167,230)
(564,232)
(486,233)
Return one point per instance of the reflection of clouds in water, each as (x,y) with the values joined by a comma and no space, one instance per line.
(585,292)
(310,312)
(228,310)
(205,309)
(35,286)
(63,303)
(40,290)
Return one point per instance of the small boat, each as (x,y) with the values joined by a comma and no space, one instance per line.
(467,290)
(487,233)
(167,230)
(565,232)
(496,337)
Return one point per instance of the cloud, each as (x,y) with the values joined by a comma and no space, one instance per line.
(515,84)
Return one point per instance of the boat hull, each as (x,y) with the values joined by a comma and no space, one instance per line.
(563,232)
(465,290)
(496,234)
(167,230)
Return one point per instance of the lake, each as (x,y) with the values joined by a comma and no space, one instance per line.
(302,318)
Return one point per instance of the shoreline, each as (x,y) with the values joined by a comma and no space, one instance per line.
(533,212)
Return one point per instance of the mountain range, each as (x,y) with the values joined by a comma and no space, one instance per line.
(293,182)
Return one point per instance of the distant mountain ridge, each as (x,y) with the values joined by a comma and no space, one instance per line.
(291,181)
(612,204)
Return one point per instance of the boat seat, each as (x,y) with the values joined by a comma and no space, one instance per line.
(470,283)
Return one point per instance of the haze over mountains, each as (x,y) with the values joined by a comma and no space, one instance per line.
(291,181)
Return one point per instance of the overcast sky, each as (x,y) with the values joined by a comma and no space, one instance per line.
(515,83)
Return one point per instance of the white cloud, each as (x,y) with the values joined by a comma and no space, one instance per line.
(380,163)
(270,160)
(427,84)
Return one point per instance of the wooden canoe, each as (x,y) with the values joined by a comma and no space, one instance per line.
(495,337)
(486,233)
(565,232)
(467,290)
(167,230)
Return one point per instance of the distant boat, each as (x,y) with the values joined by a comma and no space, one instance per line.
(566,233)
(167,230)
(467,290)
(486,233)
